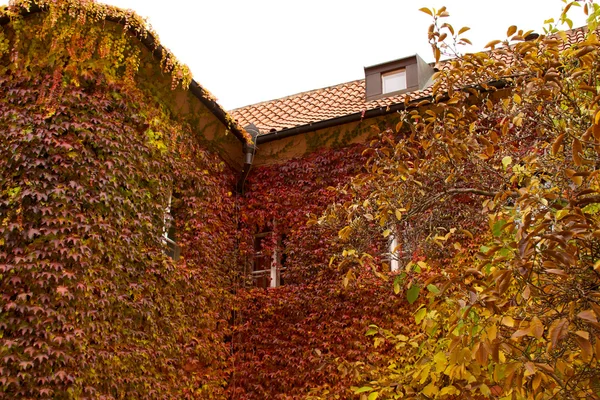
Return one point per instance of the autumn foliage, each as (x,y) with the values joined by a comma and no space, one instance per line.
(90,305)
(489,189)
(495,181)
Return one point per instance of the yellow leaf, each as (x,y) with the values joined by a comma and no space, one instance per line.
(507,321)
(492,332)
(536,327)
(441,361)
(373,396)
(485,390)
(517,98)
(430,390)
(560,214)
(537,380)
(511,30)
(424,373)
(387,233)
(449,390)
(345,232)
(398,215)
(506,161)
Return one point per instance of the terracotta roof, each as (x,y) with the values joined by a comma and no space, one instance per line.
(314,106)
(335,101)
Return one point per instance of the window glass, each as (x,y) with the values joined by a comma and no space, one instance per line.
(393,81)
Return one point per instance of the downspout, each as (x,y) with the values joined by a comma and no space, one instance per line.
(249,151)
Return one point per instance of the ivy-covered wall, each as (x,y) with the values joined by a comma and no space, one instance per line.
(305,338)
(92,146)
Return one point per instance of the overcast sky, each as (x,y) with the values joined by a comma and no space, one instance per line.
(248,51)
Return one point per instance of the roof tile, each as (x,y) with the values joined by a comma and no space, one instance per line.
(336,101)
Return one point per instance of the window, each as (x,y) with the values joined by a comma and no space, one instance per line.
(267,265)
(168,237)
(393,252)
(393,81)
(396,77)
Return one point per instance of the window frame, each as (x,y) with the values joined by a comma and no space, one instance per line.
(275,269)
(171,248)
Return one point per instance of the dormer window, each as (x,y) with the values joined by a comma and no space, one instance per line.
(396,77)
(393,81)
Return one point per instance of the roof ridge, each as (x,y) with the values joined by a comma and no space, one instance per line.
(296,95)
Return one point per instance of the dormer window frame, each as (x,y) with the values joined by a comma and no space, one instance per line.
(416,72)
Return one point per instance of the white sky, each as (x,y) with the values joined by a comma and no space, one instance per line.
(247,51)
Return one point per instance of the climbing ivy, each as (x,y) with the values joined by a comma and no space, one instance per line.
(90,305)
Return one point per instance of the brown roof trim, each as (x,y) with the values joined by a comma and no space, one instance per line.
(372,113)
(157,52)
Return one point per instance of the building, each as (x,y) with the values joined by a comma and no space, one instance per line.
(109,161)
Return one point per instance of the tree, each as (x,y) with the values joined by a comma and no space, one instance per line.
(492,191)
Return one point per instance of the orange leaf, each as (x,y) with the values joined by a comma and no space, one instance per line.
(577,152)
(511,30)
(463,30)
(586,348)
(588,315)
(426,11)
(557,143)
(521,333)
(558,330)
(492,44)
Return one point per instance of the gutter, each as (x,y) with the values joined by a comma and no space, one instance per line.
(157,50)
(375,112)
(359,116)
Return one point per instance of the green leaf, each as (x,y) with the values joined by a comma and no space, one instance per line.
(420,315)
(363,389)
(372,330)
(433,289)
(373,396)
(398,282)
(497,228)
(413,293)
